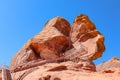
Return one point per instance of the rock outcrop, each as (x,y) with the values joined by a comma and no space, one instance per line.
(111,66)
(50,43)
(59,51)
(54,41)
(84,32)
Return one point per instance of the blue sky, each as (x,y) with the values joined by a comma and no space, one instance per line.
(22,19)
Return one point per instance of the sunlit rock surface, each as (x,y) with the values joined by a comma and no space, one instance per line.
(85,32)
(50,43)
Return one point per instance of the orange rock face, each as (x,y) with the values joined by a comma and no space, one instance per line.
(48,44)
(85,32)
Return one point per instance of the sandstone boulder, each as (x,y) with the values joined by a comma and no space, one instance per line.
(84,32)
(50,43)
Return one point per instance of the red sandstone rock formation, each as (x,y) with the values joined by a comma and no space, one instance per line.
(54,40)
(85,32)
(50,43)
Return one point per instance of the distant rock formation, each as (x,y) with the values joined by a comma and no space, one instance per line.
(111,66)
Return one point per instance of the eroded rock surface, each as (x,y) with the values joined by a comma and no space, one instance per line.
(86,65)
(111,66)
(84,32)
(50,43)
(58,71)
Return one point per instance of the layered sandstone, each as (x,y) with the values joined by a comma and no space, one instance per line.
(54,41)
(60,49)
(49,44)
(62,71)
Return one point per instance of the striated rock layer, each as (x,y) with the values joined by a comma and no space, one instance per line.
(48,44)
(62,71)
